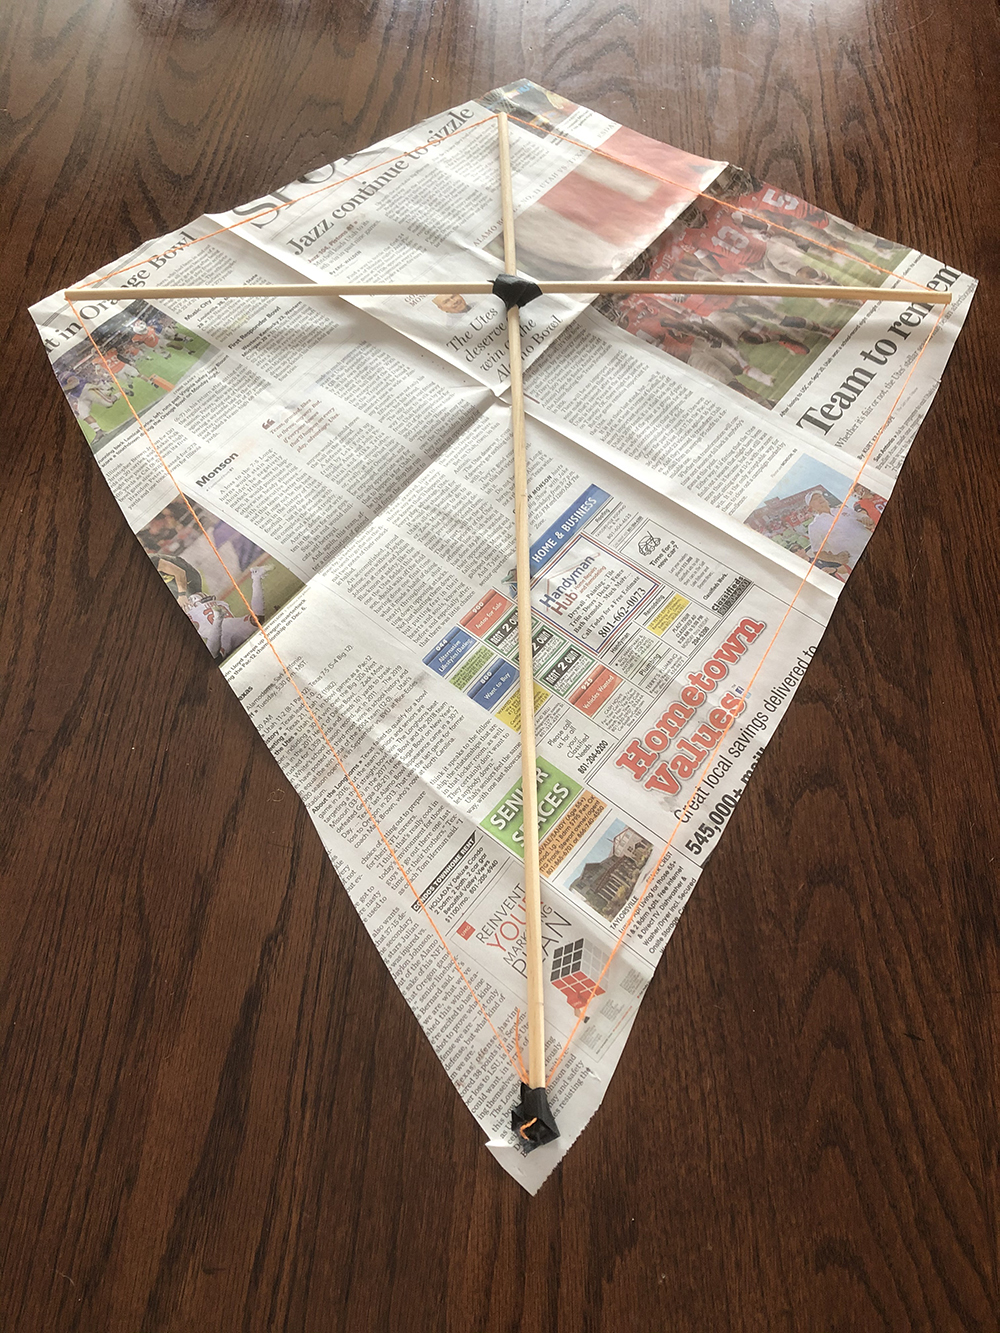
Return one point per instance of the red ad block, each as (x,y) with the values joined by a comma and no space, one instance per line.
(485,614)
(595,690)
(578,989)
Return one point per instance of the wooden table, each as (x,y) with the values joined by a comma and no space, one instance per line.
(218,1113)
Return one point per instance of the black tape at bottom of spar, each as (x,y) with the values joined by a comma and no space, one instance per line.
(531,1120)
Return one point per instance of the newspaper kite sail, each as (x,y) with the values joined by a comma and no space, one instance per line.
(324,484)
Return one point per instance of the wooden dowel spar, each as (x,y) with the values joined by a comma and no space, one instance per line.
(529,780)
(809,292)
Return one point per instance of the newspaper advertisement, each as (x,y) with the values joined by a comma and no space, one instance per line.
(704,475)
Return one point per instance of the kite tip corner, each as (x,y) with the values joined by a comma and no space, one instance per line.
(532,1120)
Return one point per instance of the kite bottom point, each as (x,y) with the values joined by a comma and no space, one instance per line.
(532,1120)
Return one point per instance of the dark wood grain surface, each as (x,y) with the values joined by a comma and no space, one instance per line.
(217,1112)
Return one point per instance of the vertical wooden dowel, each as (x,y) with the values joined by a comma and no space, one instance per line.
(529,782)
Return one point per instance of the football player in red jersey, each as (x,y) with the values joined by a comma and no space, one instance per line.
(740,247)
(868,505)
(122,369)
(736,318)
(750,195)
(727,246)
(219,628)
(811,222)
(737,242)
(665,324)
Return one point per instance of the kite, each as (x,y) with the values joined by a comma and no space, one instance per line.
(498,907)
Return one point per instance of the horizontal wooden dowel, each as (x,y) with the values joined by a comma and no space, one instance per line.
(806,291)
(280,289)
(308,289)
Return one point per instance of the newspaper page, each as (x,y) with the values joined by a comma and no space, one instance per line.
(704,475)
(423,206)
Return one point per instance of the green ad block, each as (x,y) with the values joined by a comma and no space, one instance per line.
(471,668)
(556,793)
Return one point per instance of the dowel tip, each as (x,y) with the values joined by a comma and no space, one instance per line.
(532,1120)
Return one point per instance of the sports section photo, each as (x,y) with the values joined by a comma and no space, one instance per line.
(801,514)
(140,355)
(217,575)
(743,230)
